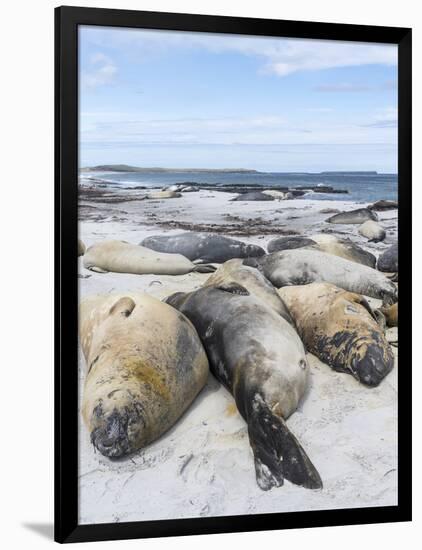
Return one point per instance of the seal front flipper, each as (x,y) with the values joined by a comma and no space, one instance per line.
(204,268)
(97,269)
(277,452)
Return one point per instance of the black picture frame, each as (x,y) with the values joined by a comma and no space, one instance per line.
(67,20)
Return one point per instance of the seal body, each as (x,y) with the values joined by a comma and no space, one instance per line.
(81,248)
(144,366)
(253,196)
(373,231)
(260,359)
(360,215)
(302,266)
(389,260)
(164,195)
(233,274)
(340,328)
(123,257)
(343,248)
(207,247)
(384,205)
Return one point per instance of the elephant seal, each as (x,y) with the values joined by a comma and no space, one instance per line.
(207,247)
(280,195)
(340,328)
(303,266)
(164,195)
(145,364)
(253,196)
(258,356)
(123,257)
(359,216)
(391,314)
(389,259)
(343,248)
(81,248)
(373,231)
(384,205)
(233,273)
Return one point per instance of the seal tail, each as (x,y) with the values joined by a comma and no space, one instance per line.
(277,452)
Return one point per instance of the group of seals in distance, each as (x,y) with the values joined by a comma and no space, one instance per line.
(249,323)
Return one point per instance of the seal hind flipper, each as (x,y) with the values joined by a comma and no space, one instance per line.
(277,452)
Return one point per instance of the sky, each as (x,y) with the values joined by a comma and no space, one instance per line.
(197,100)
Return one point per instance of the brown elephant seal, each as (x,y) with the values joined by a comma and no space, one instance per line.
(168,194)
(373,231)
(207,247)
(144,366)
(343,248)
(81,248)
(341,329)
(259,358)
(360,215)
(233,274)
(391,314)
(123,257)
(303,266)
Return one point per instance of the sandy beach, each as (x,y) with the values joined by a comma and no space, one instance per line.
(203,466)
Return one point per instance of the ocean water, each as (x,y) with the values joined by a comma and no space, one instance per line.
(361,186)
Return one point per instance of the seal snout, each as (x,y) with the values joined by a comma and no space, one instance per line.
(373,367)
(111,439)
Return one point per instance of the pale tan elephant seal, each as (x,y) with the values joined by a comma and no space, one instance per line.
(81,248)
(372,230)
(145,364)
(168,194)
(340,328)
(123,257)
(391,314)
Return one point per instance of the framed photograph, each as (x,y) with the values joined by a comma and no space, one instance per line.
(231,198)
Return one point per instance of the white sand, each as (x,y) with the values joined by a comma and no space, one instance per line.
(203,466)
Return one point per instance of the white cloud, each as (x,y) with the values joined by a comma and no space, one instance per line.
(384,118)
(102,72)
(279,56)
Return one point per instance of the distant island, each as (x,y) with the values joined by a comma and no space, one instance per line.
(127,168)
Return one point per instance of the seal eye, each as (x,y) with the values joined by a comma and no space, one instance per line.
(302,364)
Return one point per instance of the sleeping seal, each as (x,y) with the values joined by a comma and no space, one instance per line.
(260,359)
(81,248)
(360,215)
(253,196)
(233,273)
(391,314)
(373,231)
(123,257)
(302,266)
(144,366)
(340,328)
(207,247)
(389,260)
(343,248)
(164,195)
(280,195)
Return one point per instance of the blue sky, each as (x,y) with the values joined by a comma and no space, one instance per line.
(173,99)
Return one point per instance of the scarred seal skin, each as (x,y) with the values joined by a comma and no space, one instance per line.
(206,247)
(123,257)
(303,266)
(258,356)
(144,366)
(343,248)
(341,329)
(360,215)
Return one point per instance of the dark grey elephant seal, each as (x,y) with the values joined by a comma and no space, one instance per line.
(340,328)
(384,205)
(253,196)
(207,247)
(389,260)
(359,216)
(303,266)
(260,359)
(343,248)
(145,364)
